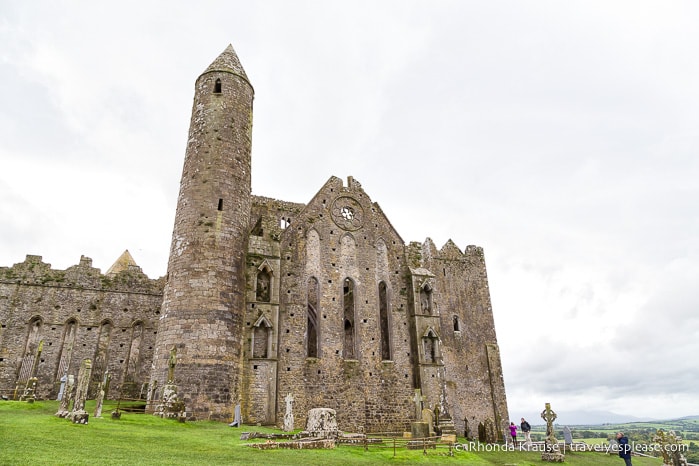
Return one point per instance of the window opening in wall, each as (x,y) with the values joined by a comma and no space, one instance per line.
(284,223)
(101,354)
(457,327)
(133,364)
(31,349)
(67,345)
(220,205)
(312,296)
(349,349)
(383,322)
(257,229)
(217,86)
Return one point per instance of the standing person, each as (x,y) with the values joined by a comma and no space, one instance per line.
(526,429)
(513,433)
(624,448)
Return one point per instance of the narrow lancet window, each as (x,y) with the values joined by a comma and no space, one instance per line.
(220,205)
(349,349)
(383,321)
(312,319)
(217,87)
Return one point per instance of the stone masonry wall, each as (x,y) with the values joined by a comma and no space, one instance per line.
(342,235)
(80,314)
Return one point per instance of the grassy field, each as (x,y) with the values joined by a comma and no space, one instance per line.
(31,434)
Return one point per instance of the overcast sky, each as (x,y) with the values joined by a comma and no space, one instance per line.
(562,137)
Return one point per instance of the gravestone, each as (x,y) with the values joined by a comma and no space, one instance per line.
(567,435)
(551,451)
(171,407)
(289,414)
(61,390)
(103,388)
(237,418)
(419,401)
(78,415)
(64,407)
(428,418)
(322,422)
(30,391)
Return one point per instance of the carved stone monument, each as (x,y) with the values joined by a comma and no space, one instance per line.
(171,406)
(670,448)
(289,414)
(64,407)
(552,453)
(103,388)
(30,391)
(61,391)
(78,415)
(567,436)
(322,422)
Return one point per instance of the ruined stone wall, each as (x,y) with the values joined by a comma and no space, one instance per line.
(342,235)
(78,313)
(474,383)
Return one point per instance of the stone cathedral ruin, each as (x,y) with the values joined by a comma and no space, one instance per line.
(264,298)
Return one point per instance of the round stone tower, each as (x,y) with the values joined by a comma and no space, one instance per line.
(204,299)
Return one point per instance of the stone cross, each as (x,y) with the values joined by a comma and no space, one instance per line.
(551,453)
(419,403)
(549,416)
(78,415)
(103,388)
(289,415)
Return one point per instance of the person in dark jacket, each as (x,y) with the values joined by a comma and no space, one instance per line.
(526,428)
(624,448)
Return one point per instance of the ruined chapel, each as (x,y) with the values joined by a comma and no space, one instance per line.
(265,298)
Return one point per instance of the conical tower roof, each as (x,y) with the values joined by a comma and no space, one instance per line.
(123,263)
(228,62)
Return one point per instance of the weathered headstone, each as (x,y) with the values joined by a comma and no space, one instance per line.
(289,414)
(419,401)
(29,394)
(61,390)
(428,418)
(64,407)
(78,414)
(103,388)
(552,453)
(567,435)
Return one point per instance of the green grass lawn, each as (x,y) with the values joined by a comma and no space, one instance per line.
(31,435)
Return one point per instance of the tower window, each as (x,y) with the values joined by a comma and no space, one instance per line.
(220,204)
(217,87)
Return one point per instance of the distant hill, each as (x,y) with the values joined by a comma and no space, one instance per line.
(582,418)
